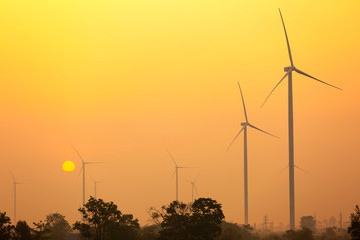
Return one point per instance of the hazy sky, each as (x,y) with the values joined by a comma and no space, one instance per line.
(123,79)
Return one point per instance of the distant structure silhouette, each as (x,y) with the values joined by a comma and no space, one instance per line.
(193,188)
(15,183)
(288,74)
(95,183)
(83,170)
(340,221)
(177,175)
(244,128)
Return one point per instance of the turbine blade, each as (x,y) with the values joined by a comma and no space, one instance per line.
(287,40)
(196,190)
(197,177)
(287,73)
(301,169)
(77,152)
(243,102)
(307,75)
(262,130)
(91,178)
(235,138)
(283,169)
(171,156)
(172,176)
(79,172)
(12,176)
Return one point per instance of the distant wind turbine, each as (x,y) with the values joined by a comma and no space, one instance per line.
(177,175)
(288,74)
(83,169)
(193,188)
(95,183)
(15,183)
(244,128)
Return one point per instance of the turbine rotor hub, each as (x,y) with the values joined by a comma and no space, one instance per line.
(243,124)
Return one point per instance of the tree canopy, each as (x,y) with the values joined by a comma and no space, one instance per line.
(354,228)
(196,221)
(5,227)
(103,221)
(308,222)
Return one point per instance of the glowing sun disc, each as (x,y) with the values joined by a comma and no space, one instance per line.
(68,166)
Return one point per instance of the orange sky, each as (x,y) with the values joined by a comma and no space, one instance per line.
(122,79)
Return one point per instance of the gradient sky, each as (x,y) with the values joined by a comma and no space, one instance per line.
(123,79)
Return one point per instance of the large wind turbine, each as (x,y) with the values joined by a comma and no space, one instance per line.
(83,168)
(95,183)
(193,188)
(15,183)
(244,128)
(288,74)
(177,175)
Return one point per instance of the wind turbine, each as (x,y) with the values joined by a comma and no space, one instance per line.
(193,188)
(244,128)
(288,74)
(15,183)
(95,183)
(83,168)
(177,175)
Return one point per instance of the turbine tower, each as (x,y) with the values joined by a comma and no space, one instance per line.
(177,175)
(15,183)
(83,170)
(95,183)
(244,128)
(193,188)
(289,70)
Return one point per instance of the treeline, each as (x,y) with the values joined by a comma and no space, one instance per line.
(201,220)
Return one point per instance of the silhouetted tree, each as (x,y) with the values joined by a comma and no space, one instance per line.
(206,219)
(6,229)
(354,228)
(308,222)
(103,221)
(302,234)
(180,221)
(150,232)
(230,231)
(329,234)
(41,232)
(22,231)
(57,226)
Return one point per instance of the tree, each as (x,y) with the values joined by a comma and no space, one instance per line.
(41,232)
(6,229)
(22,231)
(308,222)
(150,232)
(57,226)
(197,221)
(302,234)
(329,234)
(206,219)
(103,221)
(230,231)
(354,228)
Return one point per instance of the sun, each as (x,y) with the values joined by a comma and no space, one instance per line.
(68,166)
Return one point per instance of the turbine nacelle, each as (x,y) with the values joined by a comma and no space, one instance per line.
(286,69)
(244,124)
